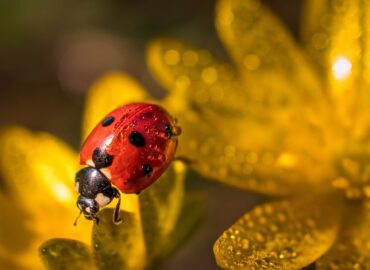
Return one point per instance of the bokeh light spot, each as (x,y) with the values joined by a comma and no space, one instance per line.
(341,68)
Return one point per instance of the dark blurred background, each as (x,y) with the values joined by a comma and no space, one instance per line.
(51,51)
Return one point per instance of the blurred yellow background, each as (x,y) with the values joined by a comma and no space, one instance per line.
(51,52)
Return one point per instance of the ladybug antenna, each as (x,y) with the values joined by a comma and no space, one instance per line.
(116,218)
(75,223)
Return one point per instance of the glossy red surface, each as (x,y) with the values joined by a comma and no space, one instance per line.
(126,171)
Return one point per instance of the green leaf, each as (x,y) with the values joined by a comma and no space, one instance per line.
(191,214)
(61,254)
(160,207)
(165,218)
(118,246)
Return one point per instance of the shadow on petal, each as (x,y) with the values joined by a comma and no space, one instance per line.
(60,254)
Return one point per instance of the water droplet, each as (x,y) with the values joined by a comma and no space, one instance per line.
(259,237)
(229,150)
(182,82)
(252,157)
(172,57)
(252,62)
(366,191)
(209,75)
(245,244)
(190,58)
(340,183)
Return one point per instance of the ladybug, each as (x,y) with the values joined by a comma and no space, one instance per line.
(128,150)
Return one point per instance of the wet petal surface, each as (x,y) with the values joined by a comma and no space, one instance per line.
(279,235)
(336,33)
(352,248)
(274,69)
(196,77)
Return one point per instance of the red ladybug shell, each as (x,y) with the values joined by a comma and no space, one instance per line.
(132,146)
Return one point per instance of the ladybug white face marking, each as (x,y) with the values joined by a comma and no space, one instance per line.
(102,200)
(95,191)
(90,163)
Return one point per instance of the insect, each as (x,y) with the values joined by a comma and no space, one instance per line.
(128,150)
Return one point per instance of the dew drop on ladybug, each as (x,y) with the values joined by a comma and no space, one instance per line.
(127,151)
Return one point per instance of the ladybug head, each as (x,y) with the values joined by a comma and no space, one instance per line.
(96,192)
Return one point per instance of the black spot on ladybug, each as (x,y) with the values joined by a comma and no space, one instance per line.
(107,121)
(168,129)
(101,159)
(136,139)
(147,169)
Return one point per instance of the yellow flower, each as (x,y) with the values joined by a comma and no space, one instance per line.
(282,123)
(38,201)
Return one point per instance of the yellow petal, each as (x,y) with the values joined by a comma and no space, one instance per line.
(352,249)
(38,170)
(337,36)
(196,76)
(108,93)
(279,235)
(274,68)
(253,129)
(16,219)
(248,155)
(15,237)
(37,162)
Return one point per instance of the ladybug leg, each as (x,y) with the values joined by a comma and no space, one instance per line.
(97,220)
(116,218)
